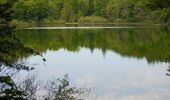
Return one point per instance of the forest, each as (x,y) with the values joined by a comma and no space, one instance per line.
(92,11)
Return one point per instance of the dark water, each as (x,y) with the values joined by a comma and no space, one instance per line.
(118,63)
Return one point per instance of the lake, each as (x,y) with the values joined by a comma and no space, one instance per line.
(118,63)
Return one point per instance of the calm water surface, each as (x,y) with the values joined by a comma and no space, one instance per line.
(117,63)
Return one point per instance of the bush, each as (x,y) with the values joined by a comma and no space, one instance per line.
(20,23)
(59,89)
(53,21)
(162,18)
(92,20)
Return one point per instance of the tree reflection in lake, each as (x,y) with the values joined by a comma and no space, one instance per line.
(168,61)
(150,43)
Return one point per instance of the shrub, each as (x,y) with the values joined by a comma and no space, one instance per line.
(92,20)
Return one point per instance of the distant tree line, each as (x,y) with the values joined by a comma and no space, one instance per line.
(153,11)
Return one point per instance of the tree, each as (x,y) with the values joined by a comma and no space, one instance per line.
(113,10)
(158,4)
(100,7)
(61,90)
(41,10)
(6,11)
(9,90)
(163,8)
(90,7)
(36,10)
(67,13)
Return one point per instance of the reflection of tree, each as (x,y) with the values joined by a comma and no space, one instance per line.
(168,71)
(167,60)
(91,42)
(152,44)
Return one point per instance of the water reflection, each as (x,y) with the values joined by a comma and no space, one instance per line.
(152,44)
(121,64)
(112,77)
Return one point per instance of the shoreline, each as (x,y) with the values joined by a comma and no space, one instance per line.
(19,25)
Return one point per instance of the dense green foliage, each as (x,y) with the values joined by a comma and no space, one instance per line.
(140,43)
(6,11)
(113,10)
